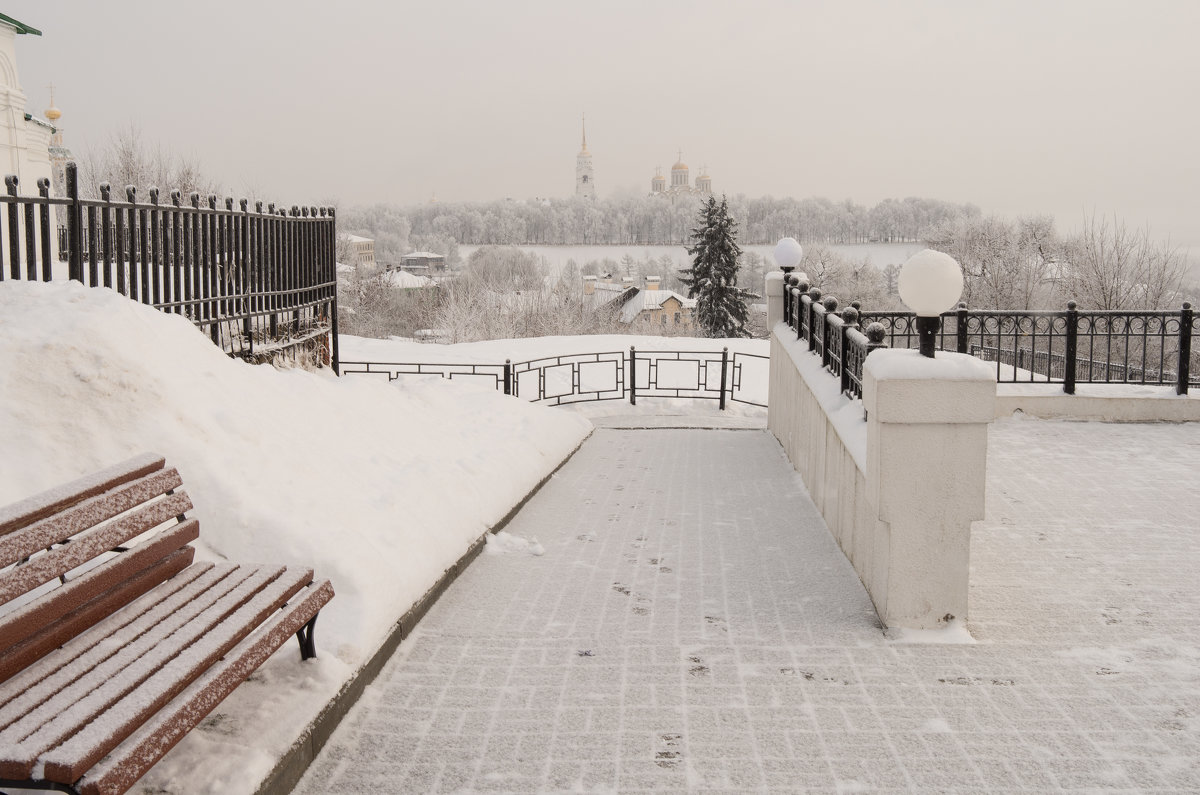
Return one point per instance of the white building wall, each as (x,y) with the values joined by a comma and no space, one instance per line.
(24,145)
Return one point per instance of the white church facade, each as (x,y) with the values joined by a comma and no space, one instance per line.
(24,138)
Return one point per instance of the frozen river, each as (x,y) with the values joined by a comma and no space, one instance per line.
(878,254)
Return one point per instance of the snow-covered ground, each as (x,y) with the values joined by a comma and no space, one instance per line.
(362,349)
(378,486)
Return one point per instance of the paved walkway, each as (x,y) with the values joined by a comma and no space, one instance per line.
(692,626)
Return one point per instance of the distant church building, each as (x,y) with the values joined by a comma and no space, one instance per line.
(680,182)
(60,155)
(585,183)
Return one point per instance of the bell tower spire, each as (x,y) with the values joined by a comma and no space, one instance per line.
(585,185)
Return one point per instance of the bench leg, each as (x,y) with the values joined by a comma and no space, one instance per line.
(308,643)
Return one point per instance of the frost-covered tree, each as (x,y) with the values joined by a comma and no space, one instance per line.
(1109,266)
(126,159)
(712,278)
(1006,264)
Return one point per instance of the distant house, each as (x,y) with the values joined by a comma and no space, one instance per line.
(422,262)
(659,308)
(649,305)
(359,251)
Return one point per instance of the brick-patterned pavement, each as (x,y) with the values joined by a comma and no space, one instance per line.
(692,626)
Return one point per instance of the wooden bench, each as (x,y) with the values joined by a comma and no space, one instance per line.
(113,644)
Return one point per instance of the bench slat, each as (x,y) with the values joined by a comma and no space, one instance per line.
(84,698)
(126,763)
(68,762)
(89,545)
(31,509)
(39,616)
(54,529)
(43,641)
(126,647)
(93,645)
(163,666)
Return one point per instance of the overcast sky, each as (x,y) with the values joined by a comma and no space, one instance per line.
(1021,106)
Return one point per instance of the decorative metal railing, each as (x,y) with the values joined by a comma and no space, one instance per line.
(255,282)
(1058,347)
(611,375)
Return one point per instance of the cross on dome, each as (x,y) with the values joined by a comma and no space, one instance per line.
(53,113)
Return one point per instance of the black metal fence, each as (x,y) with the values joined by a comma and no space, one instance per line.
(1070,347)
(611,375)
(256,282)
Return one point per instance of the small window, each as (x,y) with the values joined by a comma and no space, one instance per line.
(676,318)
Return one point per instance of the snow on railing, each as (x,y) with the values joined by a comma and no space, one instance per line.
(1057,347)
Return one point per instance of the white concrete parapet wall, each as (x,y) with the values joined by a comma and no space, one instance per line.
(900,489)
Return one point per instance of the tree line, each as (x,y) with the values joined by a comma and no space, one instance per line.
(641,220)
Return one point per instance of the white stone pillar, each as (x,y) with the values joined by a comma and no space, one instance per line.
(927,424)
(774,287)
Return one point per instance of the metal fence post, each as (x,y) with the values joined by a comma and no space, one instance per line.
(632,376)
(74,225)
(508,376)
(961,327)
(44,219)
(135,286)
(1071,355)
(331,247)
(724,370)
(108,230)
(14,239)
(1184,371)
(810,314)
(830,303)
(849,321)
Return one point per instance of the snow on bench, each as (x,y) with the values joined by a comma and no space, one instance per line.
(113,644)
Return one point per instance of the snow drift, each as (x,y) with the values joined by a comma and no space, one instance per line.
(378,486)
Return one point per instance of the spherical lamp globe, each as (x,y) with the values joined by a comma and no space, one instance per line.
(788,253)
(930,283)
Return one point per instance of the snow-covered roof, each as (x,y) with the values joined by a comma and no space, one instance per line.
(358,239)
(424,255)
(651,299)
(611,288)
(406,280)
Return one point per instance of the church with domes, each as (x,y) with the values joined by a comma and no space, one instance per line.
(680,182)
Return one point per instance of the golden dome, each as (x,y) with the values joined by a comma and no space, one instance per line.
(680,166)
(53,113)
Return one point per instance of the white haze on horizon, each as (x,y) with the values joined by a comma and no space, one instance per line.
(1020,107)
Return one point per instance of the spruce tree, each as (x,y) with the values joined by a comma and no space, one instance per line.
(712,279)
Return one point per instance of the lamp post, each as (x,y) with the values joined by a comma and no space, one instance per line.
(788,254)
(930,283)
